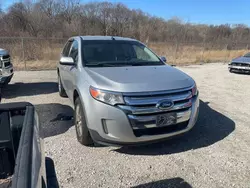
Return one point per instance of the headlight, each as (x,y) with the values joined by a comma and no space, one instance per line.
(108,97)
(194,90)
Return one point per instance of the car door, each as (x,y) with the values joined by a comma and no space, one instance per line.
(62,68)
(70,71)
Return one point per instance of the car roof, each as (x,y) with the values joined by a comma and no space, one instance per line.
(106,38)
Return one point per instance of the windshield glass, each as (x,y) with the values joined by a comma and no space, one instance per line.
(117,53)
(247,55)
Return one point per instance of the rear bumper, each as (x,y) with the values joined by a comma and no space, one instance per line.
(119,131)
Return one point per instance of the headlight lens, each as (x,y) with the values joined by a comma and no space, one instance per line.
(108,97)
(194,90)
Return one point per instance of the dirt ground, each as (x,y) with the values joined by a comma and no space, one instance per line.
(215,153)
(5,183)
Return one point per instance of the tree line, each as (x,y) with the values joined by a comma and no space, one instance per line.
(65,18)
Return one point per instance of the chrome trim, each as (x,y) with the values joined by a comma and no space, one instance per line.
(242,63)
(142,111)
(131,94)
(6,60)
(6,71)
(161,106)
(137,121)
(154,109)
(151,100)
(239,67)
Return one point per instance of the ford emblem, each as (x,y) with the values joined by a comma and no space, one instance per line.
(165,104)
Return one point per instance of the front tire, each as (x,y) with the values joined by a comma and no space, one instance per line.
(61,89)
(82,131)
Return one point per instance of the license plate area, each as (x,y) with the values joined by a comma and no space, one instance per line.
(166,119)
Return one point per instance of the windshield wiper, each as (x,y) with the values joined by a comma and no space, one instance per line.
(142,63)
(109,63)
(101,64)
(123,63)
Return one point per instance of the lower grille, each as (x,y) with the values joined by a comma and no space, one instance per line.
(161,130)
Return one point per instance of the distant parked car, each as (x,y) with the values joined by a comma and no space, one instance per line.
(240,64)
(6,67)
(123,93)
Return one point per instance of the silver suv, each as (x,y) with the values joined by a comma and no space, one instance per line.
(123,93)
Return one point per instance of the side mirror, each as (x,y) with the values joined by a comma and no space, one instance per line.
(67,61)
(164,59)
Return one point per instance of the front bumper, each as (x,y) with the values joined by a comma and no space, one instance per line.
(6,79)
(236,68)
(6,75)
(110,125)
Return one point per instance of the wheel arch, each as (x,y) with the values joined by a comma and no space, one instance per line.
(76,95)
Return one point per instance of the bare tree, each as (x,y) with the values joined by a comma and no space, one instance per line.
(64,18)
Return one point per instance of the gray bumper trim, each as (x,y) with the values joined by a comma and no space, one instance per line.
(98,139)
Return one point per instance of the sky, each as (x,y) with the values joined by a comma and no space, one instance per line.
(193,11)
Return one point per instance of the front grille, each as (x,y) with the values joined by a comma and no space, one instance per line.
(6,64)
(5,61)
(6,56)
(142,112)
(240,64)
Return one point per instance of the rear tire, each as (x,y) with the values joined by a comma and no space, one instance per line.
(82,131)
(61,89)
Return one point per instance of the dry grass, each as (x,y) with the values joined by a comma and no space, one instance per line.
(35,65)
(43,56)
(190,54)
(37,54)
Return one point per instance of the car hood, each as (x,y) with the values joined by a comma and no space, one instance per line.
(3,52)
(139,78)
(241,60)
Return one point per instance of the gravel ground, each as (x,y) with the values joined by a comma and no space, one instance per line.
(215,153)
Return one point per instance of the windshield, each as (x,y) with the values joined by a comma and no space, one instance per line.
(247,55)
(117,53)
